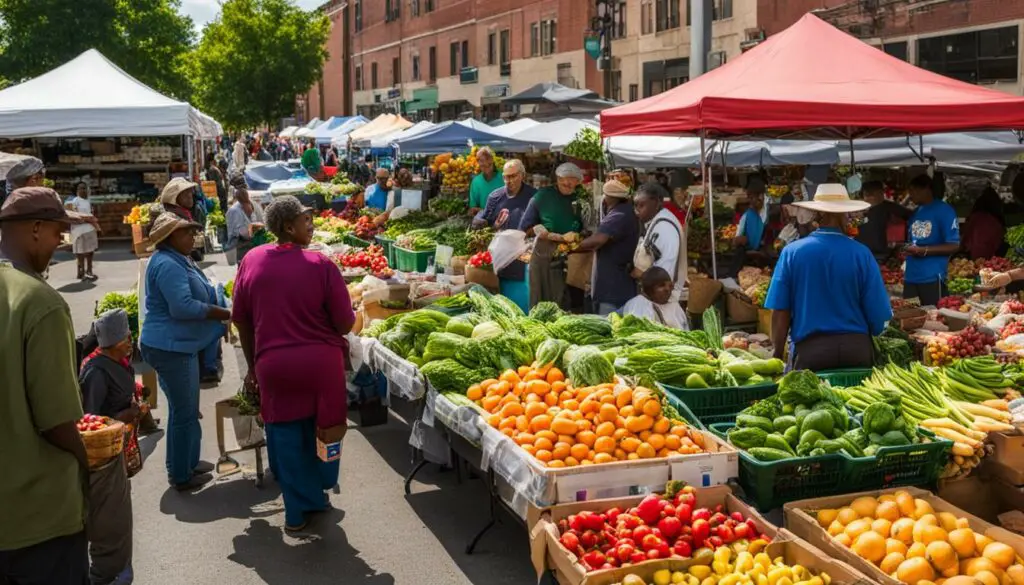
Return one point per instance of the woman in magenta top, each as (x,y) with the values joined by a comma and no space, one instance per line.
(292,310)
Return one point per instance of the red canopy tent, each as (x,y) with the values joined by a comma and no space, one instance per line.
(815,81)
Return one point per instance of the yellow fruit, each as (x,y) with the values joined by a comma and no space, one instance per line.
(922,508)
(916,550)
(962,540)
(886,498)
(678,577)
(891,562)
(926,533)
(835,528)
(869,545)
(947,521)
(903,530)
(892,545)
(973,565)
(881,526)
(843,539)
(858,527)
(700,571)
(864,506)
(888,510)
(847,515)
(827,517)
(981,541)
(906,503)
(915,569)
(962,580)
(987,578)
(662,577)
(1000,554)
(1016,574)
(941,554)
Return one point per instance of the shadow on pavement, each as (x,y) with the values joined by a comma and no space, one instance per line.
(455,513)
(148,443)
(78,286)
(322,556)
(231,497)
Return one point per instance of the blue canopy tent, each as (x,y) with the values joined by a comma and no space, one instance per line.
(260,175)
(459,136)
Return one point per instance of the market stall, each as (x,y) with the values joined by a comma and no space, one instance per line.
(120,137)
(460,136)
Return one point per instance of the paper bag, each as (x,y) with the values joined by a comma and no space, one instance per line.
(580,268)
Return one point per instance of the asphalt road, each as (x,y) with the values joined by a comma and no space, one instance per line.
(232,533)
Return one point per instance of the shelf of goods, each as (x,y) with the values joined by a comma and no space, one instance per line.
(111,218)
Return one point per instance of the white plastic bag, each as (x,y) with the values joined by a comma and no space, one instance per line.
(506,246)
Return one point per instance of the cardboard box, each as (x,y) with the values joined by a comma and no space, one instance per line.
(970,493)
(373,311)
(548,553)
(485,277)
(801,521)
(1010,497)
(996,470)
(1009,449)
(717,466)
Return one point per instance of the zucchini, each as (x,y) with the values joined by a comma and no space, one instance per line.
(769,454)
(749,420)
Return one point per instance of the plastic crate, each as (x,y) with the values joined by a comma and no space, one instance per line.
(684,411)
(356,242)
(412,261)
(388,246)
(770,484)
(718,405)
(844,378)
(909,465)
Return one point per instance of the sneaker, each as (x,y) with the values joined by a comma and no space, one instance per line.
(195,482)
(91,276)
(203,467)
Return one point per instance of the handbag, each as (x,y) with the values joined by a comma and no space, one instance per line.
(646,253)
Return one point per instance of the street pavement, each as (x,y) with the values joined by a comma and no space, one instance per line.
(231,532)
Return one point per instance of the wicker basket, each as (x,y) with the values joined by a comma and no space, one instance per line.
(104,444)
(703,292)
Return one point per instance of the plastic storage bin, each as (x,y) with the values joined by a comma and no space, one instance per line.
(909,465)
(411,261)
(717,405)
(845,377)
(389,249)
(356,242)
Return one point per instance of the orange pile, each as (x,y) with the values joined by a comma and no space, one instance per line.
(565,426)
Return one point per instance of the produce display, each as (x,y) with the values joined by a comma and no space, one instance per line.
(480,260)
(128,301)
(417,240)
(411,221)
(448,206)
(457,172)
(662,526)
(905,537)
(960,286)
(342,185)
(951,302)
(729,567)
(586,145)
(963,268)
(361,261)
(93,422)
(892,276)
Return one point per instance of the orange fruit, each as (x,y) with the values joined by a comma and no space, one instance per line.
(629,444)
(561,450)
(619,454)
(605,429)
(603,458)
(632,457)
(509,422)
(604,444)
(555,375)
(539,423)
(543,455)
(547,435)
(556,463)
(587,438)
(645,451)
(525,438)
(567,439)
(522,423)
(661,425)
(644,435)
(563,426)
(583,425)
(626,411)
(537,386)
(529,449)
(571,462)
(678,430)
(474,392)
(609,412)
(532,375)
(535,409)
(522,371)
(657,441)
(663,452)
(543,443)
(620,434)
(531,398)
(486,384)
(512,409)
(672,442)
(652,408)
(509,376)
(490,402)
(493,420)
(579,451)
(550,399)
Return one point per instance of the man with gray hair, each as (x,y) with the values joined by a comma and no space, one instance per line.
(485,183)
(504,210)
(553,216)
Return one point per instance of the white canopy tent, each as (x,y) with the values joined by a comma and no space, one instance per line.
(91,97)
(556,134)
(288,132)
(670,151)
(307,130)
(384,141)
(514,127)
(342,130)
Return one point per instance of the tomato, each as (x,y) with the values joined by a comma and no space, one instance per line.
(570,541)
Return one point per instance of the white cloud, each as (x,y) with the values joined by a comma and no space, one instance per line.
(203,11)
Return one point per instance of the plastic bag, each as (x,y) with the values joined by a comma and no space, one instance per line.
(506,247)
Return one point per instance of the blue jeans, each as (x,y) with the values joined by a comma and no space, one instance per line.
(179,378)
(605,309)
(303,477)
(210,357)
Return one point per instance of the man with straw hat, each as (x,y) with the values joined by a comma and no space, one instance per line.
(827,293)
(614,241)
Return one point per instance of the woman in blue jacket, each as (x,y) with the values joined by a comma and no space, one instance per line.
(182,317)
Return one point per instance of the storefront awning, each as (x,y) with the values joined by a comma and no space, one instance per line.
(424,98)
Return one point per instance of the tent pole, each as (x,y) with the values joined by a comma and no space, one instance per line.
(191,154)
(709,204)
(853,158)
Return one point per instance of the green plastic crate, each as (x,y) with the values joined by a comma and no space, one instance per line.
(718,405)
(846,377)
(684,411)
(412,261)
(356,242)
(770,484)
(909,465)
(388,246)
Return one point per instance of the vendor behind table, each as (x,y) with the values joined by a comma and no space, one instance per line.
(504,210)
(553,216)
(934,236)
(614,242)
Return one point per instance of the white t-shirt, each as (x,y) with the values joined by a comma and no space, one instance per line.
(669,237)
(83,206)
(670,314)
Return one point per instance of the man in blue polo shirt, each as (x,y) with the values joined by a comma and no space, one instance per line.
(934,236)
(827,292)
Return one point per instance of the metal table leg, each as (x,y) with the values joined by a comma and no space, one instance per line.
(492,493)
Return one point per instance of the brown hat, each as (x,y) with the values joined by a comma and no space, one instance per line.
(166,224)
(36,203)
(173,188)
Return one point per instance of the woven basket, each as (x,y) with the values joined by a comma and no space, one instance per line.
(703,292)
(104,444)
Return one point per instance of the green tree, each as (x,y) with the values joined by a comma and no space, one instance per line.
(147,38)
(255,57)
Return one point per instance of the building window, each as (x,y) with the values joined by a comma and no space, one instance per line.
(634,92)
(428,6)
(396,71)
(453,58)
(373,76)
(666,14)
(548,37)
(720,9)
(359,15)
(565,75)
(391,10)
(415,67)
(534,39)
(619,20)
(432,65)
(898,50)
(646,17)
(616,88)
(492,48)
(414,7)
(983,56)
(359,78)
(505,48)
(465,54)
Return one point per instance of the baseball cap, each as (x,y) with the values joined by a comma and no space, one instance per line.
(36,203)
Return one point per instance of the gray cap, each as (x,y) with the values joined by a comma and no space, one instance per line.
(111,327)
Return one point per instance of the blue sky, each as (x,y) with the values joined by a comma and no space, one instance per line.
(203,11)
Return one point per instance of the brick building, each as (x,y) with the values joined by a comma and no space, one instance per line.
(441,59)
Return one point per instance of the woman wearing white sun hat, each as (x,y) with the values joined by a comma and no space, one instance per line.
(827,292)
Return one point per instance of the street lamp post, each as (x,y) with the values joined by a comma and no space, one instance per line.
(604,23)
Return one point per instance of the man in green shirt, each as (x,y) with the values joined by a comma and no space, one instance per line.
(42,495)
(487,182)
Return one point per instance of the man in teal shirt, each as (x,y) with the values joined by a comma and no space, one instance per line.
(487,182)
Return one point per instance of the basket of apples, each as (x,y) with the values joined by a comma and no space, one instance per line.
(103,438)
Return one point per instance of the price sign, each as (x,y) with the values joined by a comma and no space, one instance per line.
(443,255)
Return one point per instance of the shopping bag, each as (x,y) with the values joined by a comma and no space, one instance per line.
(506,246)
(579,269)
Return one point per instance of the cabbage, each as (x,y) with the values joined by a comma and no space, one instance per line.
(487,330)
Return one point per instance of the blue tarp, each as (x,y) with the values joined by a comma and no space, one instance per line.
(457,136)
(259,175)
